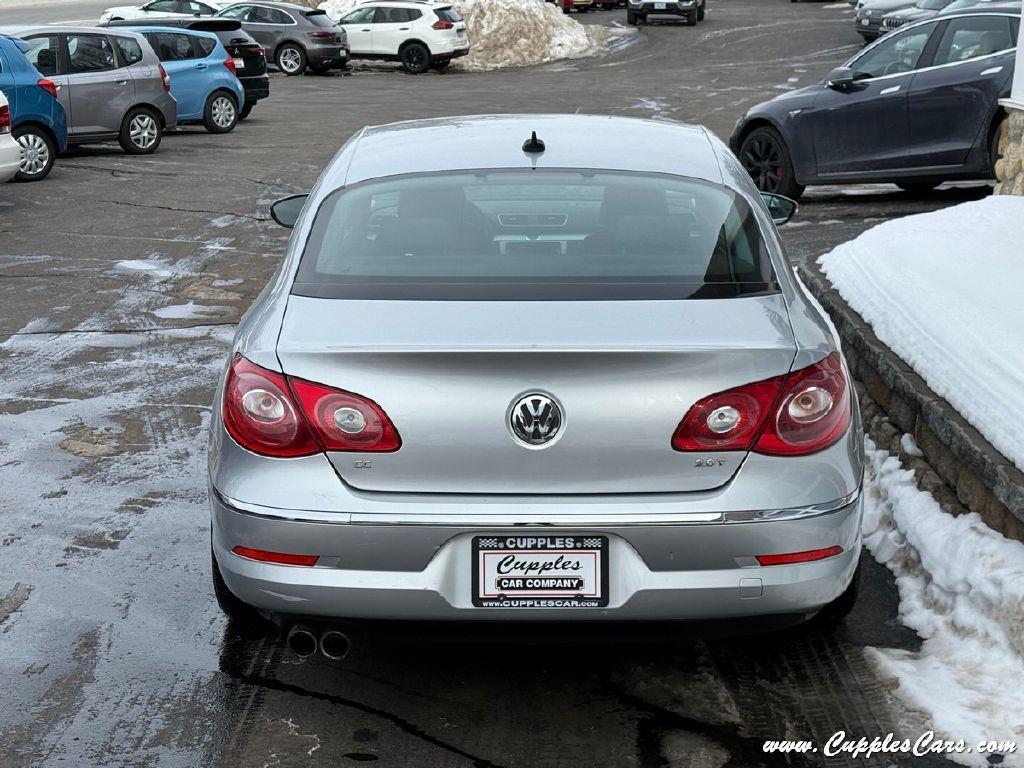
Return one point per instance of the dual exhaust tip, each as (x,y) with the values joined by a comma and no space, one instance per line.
(304,641)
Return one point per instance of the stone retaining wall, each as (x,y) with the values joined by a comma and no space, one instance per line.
(958,465)
(1009,170)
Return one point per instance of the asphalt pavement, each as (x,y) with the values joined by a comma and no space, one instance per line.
(120,281)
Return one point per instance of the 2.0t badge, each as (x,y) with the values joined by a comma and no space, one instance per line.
(535,419)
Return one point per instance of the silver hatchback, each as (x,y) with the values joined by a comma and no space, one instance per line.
(503,374)
(110,83)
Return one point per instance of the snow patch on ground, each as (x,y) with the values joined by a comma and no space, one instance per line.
(516,33)
(190,311)
(942,290)
(961,588)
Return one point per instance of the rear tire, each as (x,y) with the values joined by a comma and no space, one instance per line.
(38,153)
(633,19)
(246,110)
(765,157)
(993,146)
(140,132)
(838,609)
(440,66)
(415,58)
(233,608)
(291,59)
(220,115)
(700,11)
(691,19)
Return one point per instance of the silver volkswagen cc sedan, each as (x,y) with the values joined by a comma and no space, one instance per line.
(505,374)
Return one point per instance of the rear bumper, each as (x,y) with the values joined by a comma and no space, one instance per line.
(256,87)
(328,54)
(423,570)
(670,8)
(10,157)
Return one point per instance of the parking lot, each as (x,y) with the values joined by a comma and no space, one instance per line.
(122,278)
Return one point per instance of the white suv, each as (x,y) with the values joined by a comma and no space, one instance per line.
(418,33)
(10,151)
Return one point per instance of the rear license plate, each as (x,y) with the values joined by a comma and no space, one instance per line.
(239,63)
(516,571)
(865,22)
(659,6)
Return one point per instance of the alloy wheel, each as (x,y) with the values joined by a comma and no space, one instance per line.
(223,112)
(762,158)
(35,155)
(414,58)
(289,60)
(143,131)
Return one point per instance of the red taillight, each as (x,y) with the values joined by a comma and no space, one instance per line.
(320,35)
(230,64)
(280,558)
(799,557)
(814,411)
(5,119)
(344,421)
(806,411)
(165,77)
(442,24)
(48,85)
(272,415)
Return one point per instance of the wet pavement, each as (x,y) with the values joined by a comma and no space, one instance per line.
(120,282)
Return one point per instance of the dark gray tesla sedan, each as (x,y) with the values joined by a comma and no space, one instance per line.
(918,107)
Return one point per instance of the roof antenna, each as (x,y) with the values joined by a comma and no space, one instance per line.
(533,144)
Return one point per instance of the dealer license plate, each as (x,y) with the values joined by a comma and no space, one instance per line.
(529,571)
(239,63)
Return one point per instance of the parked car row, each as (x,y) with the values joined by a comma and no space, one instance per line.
(918,107)
(874,18)
(419,34)
(69,86)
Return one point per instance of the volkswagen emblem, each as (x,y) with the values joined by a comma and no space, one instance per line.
(535,419)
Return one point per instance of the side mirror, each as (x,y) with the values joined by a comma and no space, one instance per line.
(780,208)
(286,210)
(840,78)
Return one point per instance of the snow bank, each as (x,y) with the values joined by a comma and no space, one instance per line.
(961,588)
(516,33)
(942,290)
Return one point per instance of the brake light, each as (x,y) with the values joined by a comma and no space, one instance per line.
(48,85)
(260,415)
(803,412)
(799,557)
(320,35)
(442,24)
(274,415)
(165,77)
(344,421)
(230,64)
(5,119)
(279,558)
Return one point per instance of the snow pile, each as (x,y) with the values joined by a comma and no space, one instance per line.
(942,290)
(961,588)
(515,33)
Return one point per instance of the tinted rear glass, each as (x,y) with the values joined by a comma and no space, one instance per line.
(319,19)
(448,14)
(521,235)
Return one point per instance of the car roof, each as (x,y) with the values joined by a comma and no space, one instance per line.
(496,141)
(273,4)
(28,29)
(157,28)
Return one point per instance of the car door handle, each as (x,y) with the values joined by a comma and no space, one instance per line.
(200,65)
(364,30)
(891,89)
(403,29)
(992,71)
(121,82)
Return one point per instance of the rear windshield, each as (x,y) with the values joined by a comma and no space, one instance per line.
(319,19)
(522,235)
(448,14)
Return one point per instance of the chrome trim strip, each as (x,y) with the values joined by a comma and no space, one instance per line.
(477,520)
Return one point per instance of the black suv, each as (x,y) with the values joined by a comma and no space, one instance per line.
(250,59)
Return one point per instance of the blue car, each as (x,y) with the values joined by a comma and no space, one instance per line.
(202,76)
(38,122)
